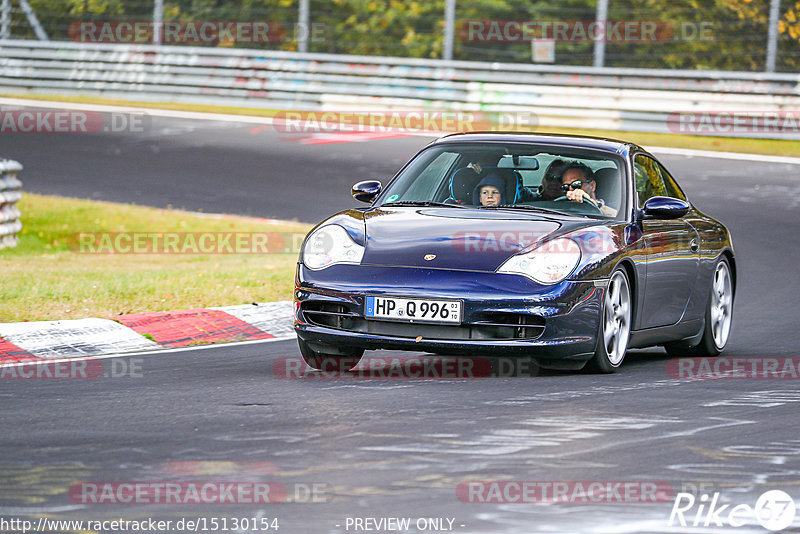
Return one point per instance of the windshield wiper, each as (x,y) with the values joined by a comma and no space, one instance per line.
(530,207)
(422,203)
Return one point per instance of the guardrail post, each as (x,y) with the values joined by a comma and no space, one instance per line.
(10,193)
(5,20)
(303,28)
(34,22)
(772,38)
(158,18)
(600,44)
(449,29)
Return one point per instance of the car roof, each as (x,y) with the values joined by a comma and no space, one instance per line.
(576,141)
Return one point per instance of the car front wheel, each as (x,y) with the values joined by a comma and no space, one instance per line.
(615,325)
(330,363)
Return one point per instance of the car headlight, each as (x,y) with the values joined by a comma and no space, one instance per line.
(547,264)
(330,245)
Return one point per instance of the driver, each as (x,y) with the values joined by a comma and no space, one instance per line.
(580,172)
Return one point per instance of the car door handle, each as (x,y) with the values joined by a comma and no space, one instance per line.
(694,245)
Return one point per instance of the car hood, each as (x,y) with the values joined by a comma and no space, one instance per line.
(453,238)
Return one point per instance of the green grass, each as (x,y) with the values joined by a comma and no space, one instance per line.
(774,147)
(46,277)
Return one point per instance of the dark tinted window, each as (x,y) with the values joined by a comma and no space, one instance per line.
(450,173)
(648,179)
(673,190)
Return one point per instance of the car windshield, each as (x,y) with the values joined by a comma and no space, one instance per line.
(512,176)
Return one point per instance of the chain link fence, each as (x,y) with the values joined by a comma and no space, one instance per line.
(731,35)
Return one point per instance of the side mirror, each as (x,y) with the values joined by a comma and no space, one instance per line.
(366,191)
(665,208)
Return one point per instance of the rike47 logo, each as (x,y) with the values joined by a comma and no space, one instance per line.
(774,510)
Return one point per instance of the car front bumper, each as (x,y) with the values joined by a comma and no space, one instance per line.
(561,321)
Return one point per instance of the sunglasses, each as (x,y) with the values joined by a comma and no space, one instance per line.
(576,184)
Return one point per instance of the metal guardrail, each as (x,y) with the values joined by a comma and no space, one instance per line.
(10,194)
(615,99)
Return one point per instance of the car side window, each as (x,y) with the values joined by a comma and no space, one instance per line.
(649,182)
(431,178)
(673,189)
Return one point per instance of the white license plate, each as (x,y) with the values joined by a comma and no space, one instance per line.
(414,310)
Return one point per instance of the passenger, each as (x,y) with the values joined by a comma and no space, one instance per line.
(585,188)
(551,181)
(490,191)
(549,189)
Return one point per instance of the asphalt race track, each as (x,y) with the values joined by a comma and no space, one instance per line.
(378,447)
(216,167)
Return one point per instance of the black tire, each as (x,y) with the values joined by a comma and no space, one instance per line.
(676,349)
(331,363)
(615,325)
(715,334)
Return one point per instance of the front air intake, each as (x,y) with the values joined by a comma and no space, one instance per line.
(329,314)
(511,325)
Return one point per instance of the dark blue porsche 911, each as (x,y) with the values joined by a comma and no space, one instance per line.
(566,249)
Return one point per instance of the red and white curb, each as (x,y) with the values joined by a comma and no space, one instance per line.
(49,340)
